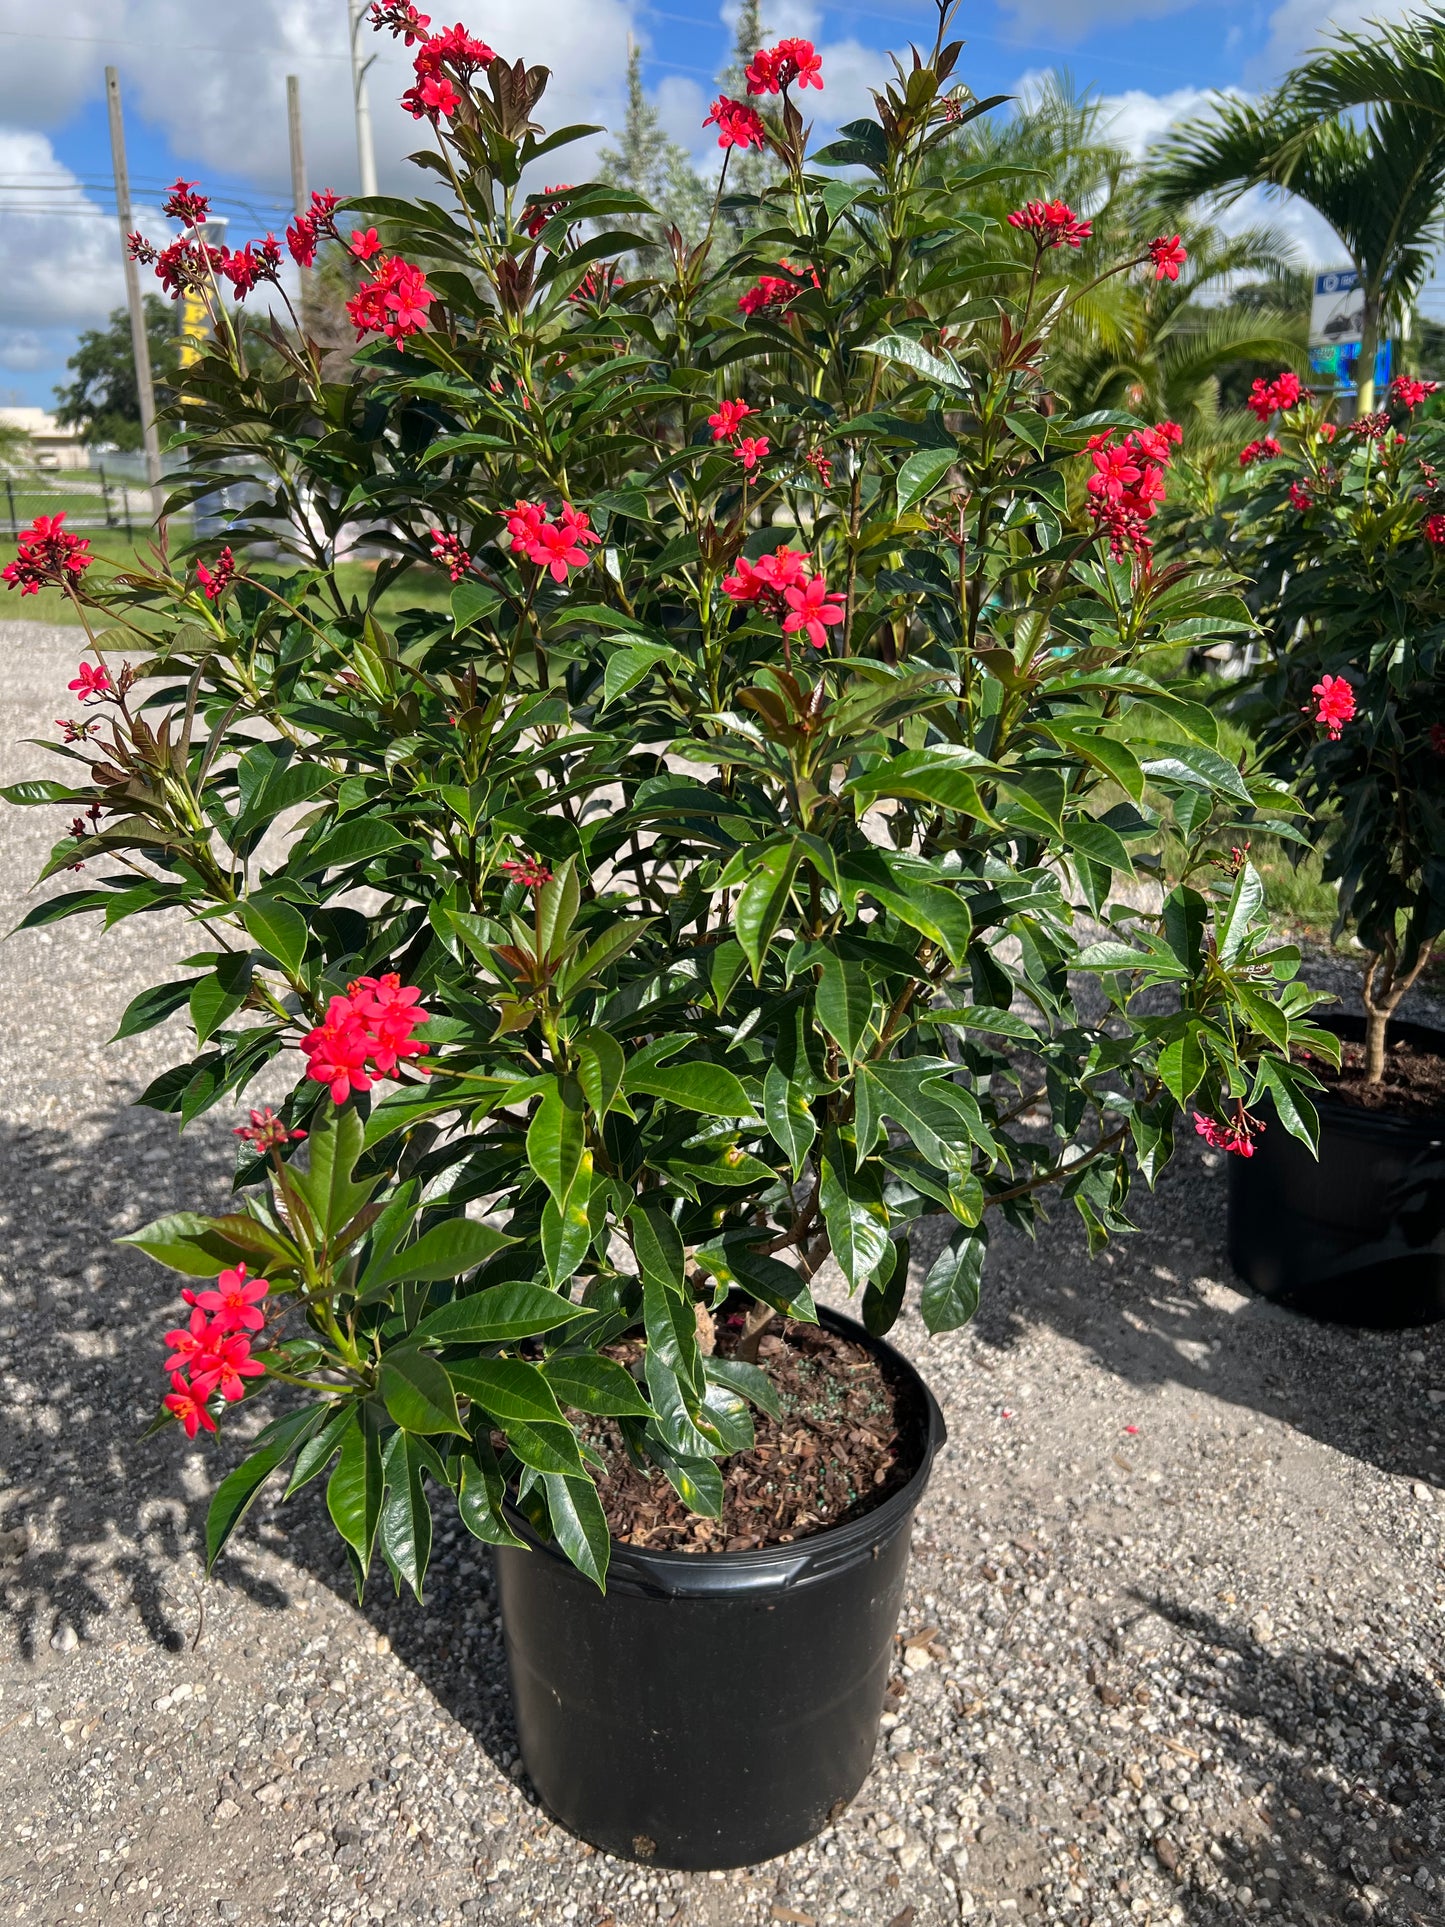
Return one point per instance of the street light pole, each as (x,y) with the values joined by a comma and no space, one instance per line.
(365,149)
(139,339)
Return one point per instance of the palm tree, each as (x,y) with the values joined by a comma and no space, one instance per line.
(1377,181)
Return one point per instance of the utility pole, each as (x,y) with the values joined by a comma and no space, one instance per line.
(365,150)
(139,340)
(300,199)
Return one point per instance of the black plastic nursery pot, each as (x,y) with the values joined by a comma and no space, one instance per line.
(1359,1236)
(713,1709)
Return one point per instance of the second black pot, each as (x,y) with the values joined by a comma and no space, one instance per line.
(1359,1236)
(713,1709)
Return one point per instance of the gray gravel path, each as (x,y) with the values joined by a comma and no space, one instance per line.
(1174,1620)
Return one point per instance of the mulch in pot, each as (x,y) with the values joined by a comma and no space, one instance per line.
(836,1451)
(1413,1084)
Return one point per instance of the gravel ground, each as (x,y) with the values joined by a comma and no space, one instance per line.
(1173,1630)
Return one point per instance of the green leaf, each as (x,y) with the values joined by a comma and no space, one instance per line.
(220,994)
(567,1234)
(600,1065)
(950,1291)
(418,1392)
(763,902)
(556,1138)
(883,1295)
(353,1492)
(735,1261)
(321,1447)
(188,1243)
(509,1389)
(856,1217)
(1195,767)
(1238,918)
(945,774)
(748,1381)
(357,840)
(557,906)
(600,1385)
(499,1315)
(843,1002)
(39,790)
(659,1246)
(445,1251)
(234,1495)
(152,1007)
(1182,1065)
(480,1494)
(579,1524)
(268,782)
(327,1184)
(1294,1110)
(922,473)
(710,1089)
(671,1324)
(406,1522)
(919,1094)
(789,1117)
(696,1481)
(278,928)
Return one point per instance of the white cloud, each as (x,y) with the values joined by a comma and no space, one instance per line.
(1069,21)
(60,260)
(1136,119)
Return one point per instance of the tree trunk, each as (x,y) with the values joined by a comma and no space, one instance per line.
(1365,366)
(1375,1023)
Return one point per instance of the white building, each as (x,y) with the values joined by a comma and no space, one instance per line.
(51,446)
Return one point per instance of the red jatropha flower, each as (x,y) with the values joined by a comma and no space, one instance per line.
(1437,738)
(188,1404)
(738,124)
(453,47)
(770,291)
(184,204)
(1168,257)
(1237,1136)
(188,1342)
(214,582)
(765,583)
(1327,431)
(394,304)
(256,262)
(527,871)
(235,1302)
(1127,484)
(813,608)
(90,683)
(139,249)
(404,20)
(1334,704)
(47,557)
(772,69)
(1409,393)
(822,465)
(1264,451)
(1268,397)
(1052,224)
(318,222)
(448,551)
(554,546)
(364,245)
(1433,530)
(1301,496)
(751,450)
(728,419)
(371,1025)
(539,212)
(225,1362)
(266,1132)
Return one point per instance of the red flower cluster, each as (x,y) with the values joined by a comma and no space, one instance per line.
(778,585)
(318,223)
(1372,428)
(539,212)
(1301,496)
(448,551)
(47,557)
(370,1027)
(91,683)
(432,96)
(394,304)
(527,871)
(738,124)
(214,1350)
(258,261)
(214,582)
(1334,704)
(184,203)
(1409,393)
(1262,451)
(402,18)
(1127,484)
(1269,397)
(554,546)
(772,69)
(1052,224)
(728,420)
(769,291)
(1168,257)
(821,464)
(751,450)
(266,1132)
(1433,530)
(1237,1137)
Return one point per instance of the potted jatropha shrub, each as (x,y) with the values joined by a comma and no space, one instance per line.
(1343,531)
(730,876)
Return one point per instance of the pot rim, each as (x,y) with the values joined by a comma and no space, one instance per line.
(784,1562)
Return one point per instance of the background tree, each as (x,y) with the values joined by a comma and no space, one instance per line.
(648,162)
(103,401)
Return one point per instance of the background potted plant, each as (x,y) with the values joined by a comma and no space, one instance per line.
(1343,531)
(741,852)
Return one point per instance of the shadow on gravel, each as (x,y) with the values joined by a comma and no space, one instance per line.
(1144,1310)
(92,1517)
(1345,1757)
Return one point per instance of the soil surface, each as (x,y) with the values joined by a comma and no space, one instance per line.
(1413,1084)
(834,1451)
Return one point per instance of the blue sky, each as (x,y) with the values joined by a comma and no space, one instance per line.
(204,91)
